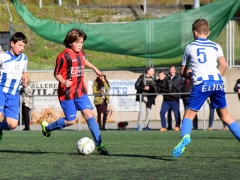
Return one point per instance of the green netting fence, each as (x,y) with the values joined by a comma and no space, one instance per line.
(154,38)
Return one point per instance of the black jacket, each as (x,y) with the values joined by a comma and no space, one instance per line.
(140,85)
(165,86)
(236,87)
(177,83)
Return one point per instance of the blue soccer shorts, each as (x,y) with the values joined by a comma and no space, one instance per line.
(9,105)
(70,107)
(200,93)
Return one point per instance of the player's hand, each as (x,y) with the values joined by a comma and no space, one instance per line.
(146,88)
(189,75)
(102,77)
(68,83)
(98,73)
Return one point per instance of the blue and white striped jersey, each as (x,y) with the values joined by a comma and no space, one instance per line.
(203,55)
(11,69)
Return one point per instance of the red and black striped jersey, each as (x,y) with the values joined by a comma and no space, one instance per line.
(71,66)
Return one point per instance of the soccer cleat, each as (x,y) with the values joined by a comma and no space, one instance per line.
(178,150)
(1,134)
(163,129)
(44,132)
(176,129)
(138,128)
(147,128)
(102,150)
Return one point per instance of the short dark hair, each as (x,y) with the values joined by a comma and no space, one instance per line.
(172,66)
(201,26)
(18,36)
(73,35)
(161,72)
(147,69)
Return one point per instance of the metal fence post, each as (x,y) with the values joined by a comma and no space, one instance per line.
(140,111)
(20,115)
(79,121)
(204,126)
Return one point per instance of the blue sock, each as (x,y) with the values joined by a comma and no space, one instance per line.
(59,124)
(186,127)
(93,127)
(4,125)
(235,129)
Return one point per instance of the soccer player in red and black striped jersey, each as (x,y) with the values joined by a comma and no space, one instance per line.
(72,92)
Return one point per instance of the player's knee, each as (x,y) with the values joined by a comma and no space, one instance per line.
(13,124)
(87,114)
(70,122)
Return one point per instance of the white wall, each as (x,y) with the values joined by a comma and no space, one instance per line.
(231,75)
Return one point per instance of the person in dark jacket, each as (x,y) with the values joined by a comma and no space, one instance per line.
(146,84)
(170,102)
(177,83)
(187,88)
(237,88)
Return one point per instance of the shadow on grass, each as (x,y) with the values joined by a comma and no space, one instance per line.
(164,158)
(112,129)
(36,152)
(24,152)
(212,137)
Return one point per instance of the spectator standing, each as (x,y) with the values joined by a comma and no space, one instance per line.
(164,85)
(237,88)
(146,84)
(177,83)
(101,86)
(187,88)
(26,93)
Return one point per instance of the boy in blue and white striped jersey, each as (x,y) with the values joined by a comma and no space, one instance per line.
(13,69)
(203,56)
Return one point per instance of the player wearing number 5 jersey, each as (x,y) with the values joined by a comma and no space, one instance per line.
(203,56)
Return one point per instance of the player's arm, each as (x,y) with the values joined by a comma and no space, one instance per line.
(222,65)
(66,83)
(24,73)
(184,72)
(91,66)
(185,63)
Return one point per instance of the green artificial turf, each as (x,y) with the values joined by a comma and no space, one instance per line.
(134,155)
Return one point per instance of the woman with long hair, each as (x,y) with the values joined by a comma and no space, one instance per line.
(101,86)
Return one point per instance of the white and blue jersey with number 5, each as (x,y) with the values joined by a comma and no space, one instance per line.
(203,55)
(11,69)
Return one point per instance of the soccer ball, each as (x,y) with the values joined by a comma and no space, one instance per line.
(85,146)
